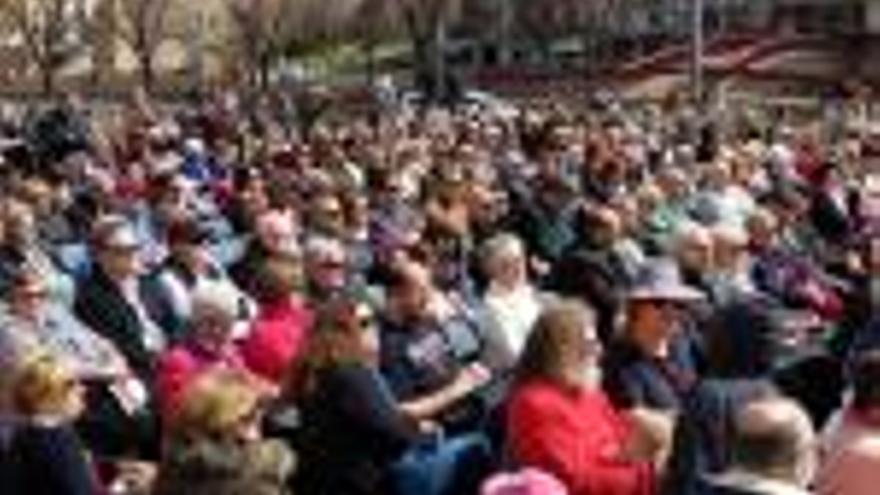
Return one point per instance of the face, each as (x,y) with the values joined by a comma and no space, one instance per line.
(22,229)
(214,327)
(763,231)
(195,255)
(278,236)
(120,261)
(28,299)
(328,214)
(173,203)
(696,253)
(509,267)
(255,198)
(329,271)
(414,296)
(360,211)
(659,318)
(730,253)
(590,357)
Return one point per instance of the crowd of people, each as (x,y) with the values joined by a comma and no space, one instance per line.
(599,299)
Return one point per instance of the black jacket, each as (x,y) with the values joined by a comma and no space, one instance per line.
(102,306)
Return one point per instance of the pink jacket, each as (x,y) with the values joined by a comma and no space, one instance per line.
(180,365)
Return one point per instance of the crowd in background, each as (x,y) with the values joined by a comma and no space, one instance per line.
(593,299)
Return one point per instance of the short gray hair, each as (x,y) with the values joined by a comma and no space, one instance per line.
(499,245)
(212,301)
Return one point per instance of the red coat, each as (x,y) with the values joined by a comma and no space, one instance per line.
(576,436)
(277,338)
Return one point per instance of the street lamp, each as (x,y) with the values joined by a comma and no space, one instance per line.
(697,47)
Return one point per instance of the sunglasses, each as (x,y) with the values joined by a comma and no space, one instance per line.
(34,294)
(254,414)
(366,322)
(331,265)
(331,212)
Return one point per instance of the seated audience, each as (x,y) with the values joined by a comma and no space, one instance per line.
(357,439)
(188,264)
(279,333)
(429,349)
(653,362)
(45,455)
(209,345)
(511,302)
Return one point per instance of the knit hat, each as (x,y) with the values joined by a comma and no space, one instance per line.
(526,482)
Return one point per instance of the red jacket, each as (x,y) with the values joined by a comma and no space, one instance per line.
(576,436)
(277,338)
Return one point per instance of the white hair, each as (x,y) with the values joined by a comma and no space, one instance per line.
(214,300)
(504,244)
(319,247)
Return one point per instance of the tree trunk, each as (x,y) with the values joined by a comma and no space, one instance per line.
(438,56)
(264,68)
(370,49)
(422,64)
(47,73)
(148,76)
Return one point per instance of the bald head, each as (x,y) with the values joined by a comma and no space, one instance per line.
(774,438)
(694,248)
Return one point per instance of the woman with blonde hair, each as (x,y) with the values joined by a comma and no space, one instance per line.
(214,444)
(560,421)
(44,455)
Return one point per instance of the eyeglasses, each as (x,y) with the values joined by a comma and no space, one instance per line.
(69,384)
(331,212)
(666,304)
(31,294)
(331,265)
(254,414)
(122,250)
(366,322)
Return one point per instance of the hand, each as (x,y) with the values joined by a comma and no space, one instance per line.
(539,266)
(471,378)
(428,427)
(651,437)
(134,478)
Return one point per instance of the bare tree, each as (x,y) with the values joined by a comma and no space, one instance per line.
(261,29)
(143,25)
(267,31)
(47,29)
(426,24)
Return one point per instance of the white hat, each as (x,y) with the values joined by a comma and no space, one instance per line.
(659,279)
